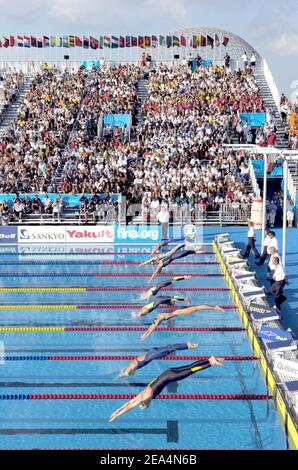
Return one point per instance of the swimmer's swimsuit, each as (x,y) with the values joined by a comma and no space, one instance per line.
(175,374)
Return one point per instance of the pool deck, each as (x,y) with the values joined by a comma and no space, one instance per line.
(289,317)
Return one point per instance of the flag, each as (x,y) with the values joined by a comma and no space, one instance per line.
(0,43)
(169,41)
(176,41)
(101,42)
(115,42)
(210,41)
(85,42)
(5,42)
(78,41)
(193,41)
(39,43)
(147,41)
(154,41)
(53,41)
(203,41)
(217,41)
(94,43)
(121,41)
(183,41)
(20,41)
(60,41)
(65,42)
(46,41)
(11,41)
(141,41)
(127,41)
(225,41)
(27,42)
(33,41)
(107,41)
(71,40)
(161,40)
(134,41)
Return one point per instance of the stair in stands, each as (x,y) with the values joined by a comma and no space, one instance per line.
(142,94)
(265,93)
(13,109)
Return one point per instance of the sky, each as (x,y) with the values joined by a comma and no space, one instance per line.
(271,26)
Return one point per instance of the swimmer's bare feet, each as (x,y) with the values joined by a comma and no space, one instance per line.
(216,361)
(192,345)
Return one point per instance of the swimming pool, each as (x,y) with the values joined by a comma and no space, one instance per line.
(67,329)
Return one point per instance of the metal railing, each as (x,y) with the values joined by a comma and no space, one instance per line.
(271,83)
(253,179)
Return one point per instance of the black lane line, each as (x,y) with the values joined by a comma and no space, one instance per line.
(172,431)
(72,384)
(84,431)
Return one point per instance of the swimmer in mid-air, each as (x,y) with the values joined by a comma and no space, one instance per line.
(160,300)
(182,311)
(163,256)
(174,374)
(154,353)
(155,289)
(182,253)
(165,243)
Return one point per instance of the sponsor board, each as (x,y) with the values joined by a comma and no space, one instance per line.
(137,233)
(89,234)
(286,367)
(274,334)
(259,308)
(8,235)
(41,234)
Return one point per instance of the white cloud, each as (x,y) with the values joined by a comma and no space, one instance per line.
(286,44)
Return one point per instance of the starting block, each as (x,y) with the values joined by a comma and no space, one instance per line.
(264,317)
(251,292)
(244,277)
(280,346)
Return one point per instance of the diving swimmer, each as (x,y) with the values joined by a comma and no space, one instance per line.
(160,300)
(182,253)
(155,289)
(182,311)
(174,374)
(154,353)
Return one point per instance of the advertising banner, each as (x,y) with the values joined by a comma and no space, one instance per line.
(8,235)
(137,233)
(89,234)
(286,367)
(41,234)
(274,334)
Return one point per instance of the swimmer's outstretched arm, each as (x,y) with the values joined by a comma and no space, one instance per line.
(142,396)
(157,271)
(157,247)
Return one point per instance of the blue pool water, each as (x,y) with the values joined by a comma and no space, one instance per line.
(84,423)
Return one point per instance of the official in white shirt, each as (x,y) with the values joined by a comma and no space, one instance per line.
(163,218)
(265,248)
(273,254)
(279,280)
(273,240)
(251,235)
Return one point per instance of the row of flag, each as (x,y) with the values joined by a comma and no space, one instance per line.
(114,42)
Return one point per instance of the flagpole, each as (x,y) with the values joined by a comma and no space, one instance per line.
(220,51)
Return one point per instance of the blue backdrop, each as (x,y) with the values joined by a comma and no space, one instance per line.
(253,119)
(67,199)
(117,120)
